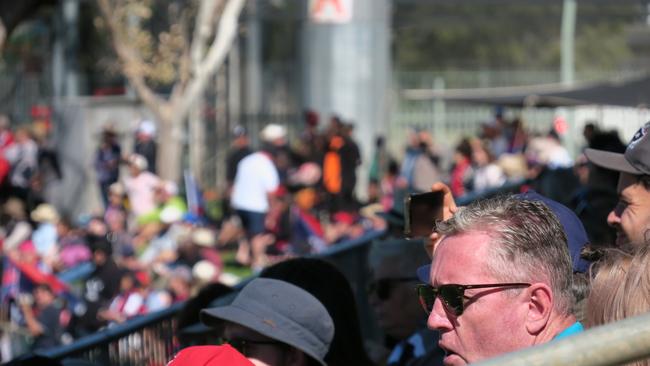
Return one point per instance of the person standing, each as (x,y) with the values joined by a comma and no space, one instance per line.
(107,162)
(256,180)
(22,155)
(350,160)
(43,321)
(145,143)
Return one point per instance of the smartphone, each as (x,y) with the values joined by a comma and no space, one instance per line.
(421,213)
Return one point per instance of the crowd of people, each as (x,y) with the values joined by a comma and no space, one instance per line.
(510,272)
(505,273)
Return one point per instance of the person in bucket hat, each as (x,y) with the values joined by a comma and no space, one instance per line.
(631,216)
(273,322)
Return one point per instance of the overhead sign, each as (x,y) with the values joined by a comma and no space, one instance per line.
(330,11)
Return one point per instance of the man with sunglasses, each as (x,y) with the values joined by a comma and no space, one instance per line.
(500,280)
(393,263)
(275,323)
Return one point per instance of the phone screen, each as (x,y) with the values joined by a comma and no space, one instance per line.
(422,212)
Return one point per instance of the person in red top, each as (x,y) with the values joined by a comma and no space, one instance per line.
(461,172)
(210,356)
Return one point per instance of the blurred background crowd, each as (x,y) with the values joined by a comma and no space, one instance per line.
(155,155)
(154,244)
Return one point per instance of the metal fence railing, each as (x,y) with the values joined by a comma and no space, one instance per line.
(146,340)
(152,339)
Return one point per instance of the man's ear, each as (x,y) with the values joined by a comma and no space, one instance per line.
(540,304)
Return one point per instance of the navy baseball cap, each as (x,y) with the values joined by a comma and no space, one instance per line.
(573,228)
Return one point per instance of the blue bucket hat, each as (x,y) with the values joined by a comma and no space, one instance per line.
(281,311)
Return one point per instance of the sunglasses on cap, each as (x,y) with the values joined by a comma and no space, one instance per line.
(453,295)
(243,346)
(383,287)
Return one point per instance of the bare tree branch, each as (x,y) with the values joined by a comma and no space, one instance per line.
(226,33)
(129,59)
(184,65)
(182,58)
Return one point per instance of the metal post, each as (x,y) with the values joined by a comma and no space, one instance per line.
(438,108)
(253,58)
(568,38)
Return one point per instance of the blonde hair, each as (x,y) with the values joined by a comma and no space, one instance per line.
(620,289)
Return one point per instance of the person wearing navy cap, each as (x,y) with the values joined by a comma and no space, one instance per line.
(631,216)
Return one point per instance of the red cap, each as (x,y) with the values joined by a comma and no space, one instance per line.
(210,356)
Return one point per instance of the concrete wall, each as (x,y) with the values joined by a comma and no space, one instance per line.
(78,125)
(346,71)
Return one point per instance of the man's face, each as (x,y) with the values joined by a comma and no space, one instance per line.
(393,298)
(492,322)
(259,354)
(43,297)
(631,216)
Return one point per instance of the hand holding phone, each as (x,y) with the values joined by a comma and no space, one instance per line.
(449,208)
(422,212)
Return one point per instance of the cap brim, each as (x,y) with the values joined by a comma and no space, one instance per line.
(611,161)
(215,316)
(424,274)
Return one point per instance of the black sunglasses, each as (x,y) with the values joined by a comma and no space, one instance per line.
(453,295)
(383,286)
(243,345)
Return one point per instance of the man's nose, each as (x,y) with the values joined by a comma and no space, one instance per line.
(614,218)
(438,318)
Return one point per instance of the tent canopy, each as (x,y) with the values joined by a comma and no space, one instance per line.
(629,93)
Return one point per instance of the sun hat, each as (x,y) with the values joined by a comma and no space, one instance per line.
(45,213)
(15,208)
(138,161)
(273,132)
(203,237)
(147,127)
(280,311)
(205,271)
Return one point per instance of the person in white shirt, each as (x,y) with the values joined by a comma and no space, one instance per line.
(487,174)
(256,179)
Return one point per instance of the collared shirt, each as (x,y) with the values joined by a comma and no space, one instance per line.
(575,328)
(421,348)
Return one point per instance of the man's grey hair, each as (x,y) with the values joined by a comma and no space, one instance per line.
(529,243)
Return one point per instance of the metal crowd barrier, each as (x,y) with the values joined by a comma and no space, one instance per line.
(151,339)
(145,340)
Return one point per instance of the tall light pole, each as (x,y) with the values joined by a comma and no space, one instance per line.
(567,68)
